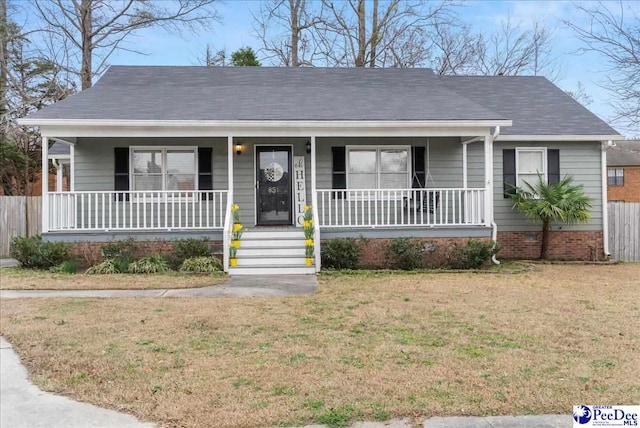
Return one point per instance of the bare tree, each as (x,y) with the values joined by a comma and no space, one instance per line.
(580,94)
(31,81)
(95,29)
(454,49)
(393,34)
(614,33)
(514,50)
(285,29)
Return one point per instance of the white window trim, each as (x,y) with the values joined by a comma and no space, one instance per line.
(164,150)
(378,149)
(543,150)
(615,176)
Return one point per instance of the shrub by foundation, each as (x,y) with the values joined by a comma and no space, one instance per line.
(473,255)
(34,253)
(405,254)
(340,253)
(149,264)
(186,249)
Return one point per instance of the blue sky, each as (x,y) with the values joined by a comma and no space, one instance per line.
(236,30)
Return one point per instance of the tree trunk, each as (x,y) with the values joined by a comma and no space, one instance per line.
(362,39)
(4,57)
(374,35)
(87,48)
(544,247)
(294,6)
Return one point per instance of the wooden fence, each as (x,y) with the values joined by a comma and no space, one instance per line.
(624,231)
(19,216)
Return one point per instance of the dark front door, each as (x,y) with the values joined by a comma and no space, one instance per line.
(273,167)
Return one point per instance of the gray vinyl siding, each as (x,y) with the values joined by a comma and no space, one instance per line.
(94,171)
(94,159)
(581,160)
(444,166)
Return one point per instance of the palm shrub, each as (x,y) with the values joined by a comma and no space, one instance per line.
(106,267)
(548,203)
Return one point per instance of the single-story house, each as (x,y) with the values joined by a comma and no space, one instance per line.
(623,171)
(165,152)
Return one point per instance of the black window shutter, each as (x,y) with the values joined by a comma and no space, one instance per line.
(553,166)
(121,168)
(338,171)
(418,171)
(205,170)
(509,172)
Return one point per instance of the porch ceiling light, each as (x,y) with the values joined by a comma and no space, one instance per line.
(308,146)
(238,148)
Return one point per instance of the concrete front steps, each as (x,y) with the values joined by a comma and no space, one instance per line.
(267,251)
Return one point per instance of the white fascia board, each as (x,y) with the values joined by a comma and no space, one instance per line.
(577,138)
(108,128)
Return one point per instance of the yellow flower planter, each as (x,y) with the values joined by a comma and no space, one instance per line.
(309,261)
(235,243)
(233,262)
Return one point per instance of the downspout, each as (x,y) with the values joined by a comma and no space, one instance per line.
(494,226)
(605,208)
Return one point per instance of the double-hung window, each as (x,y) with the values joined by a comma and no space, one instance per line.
(531,163)
(164,168)
(615,176)
(378,167)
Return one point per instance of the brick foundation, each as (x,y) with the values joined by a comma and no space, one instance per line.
(373,251)
(90,253)
(563,245)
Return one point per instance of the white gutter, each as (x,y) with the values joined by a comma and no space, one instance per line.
(248,124)
(579,138)
(605,208)
(494,225)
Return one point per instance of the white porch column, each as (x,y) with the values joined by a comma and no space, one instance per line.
(230,166)
(314,204)
(488,180)
(605,198)
(227,219)
(72,168)
(45,184)
(464,166)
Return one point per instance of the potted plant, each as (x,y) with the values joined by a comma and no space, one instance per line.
(309,245)
(236,234)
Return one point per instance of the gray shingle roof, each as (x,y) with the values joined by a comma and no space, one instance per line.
(624,153)
(535,105)
(266,93)
(59,149)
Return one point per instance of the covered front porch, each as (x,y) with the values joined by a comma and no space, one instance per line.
(356,178)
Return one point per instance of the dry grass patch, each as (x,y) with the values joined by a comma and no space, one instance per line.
(29,279)
(361,348)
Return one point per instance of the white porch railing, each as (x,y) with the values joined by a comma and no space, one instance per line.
(400,207)
(148,210)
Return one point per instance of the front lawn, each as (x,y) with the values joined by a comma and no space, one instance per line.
(362,348)
(31,279)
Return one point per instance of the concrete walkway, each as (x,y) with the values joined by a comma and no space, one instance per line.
(542,421)
(9,263)
(24,405)
(236,286)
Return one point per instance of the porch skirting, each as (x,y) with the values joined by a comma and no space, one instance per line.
(583,245)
